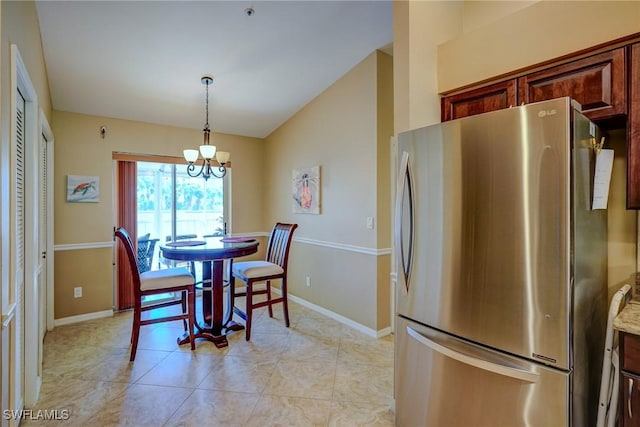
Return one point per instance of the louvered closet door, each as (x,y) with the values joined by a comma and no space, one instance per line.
(16,359)
(43,192)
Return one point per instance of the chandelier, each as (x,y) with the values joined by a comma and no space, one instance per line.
(208,151)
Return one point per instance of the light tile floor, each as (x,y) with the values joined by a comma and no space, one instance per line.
(318,372)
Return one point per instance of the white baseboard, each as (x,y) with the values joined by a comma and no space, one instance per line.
(82,317)
(335,316)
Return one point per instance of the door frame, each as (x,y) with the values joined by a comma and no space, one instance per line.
(45,130)
(393,167)
(117,157)
(31,313)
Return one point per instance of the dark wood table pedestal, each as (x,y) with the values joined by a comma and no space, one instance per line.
(216,322)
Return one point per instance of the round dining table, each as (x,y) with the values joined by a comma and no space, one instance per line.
(212,251)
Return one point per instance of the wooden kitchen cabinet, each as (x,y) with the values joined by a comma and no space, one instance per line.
(633,129)
(629,404)
(605,80)
(488,98)
(597,82)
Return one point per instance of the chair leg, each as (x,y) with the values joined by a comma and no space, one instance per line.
(285,305)
(192,314)
(248,310)
(135,332)
(183,300)
(232,289)
(269,298)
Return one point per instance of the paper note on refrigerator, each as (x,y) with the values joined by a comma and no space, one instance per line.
(602,178)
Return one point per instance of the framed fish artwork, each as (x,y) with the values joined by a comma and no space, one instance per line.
(84,189)
(306,190)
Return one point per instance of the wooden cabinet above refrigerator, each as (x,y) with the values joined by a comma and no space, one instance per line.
(605,80)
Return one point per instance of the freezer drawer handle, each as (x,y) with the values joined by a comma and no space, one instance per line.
(629,393)
(508,371)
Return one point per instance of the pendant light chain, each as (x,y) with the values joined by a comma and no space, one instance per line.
(206,119)
(207,81)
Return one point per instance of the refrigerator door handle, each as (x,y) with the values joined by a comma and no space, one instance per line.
(519,374)
(404,184)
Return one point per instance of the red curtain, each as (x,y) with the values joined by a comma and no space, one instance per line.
(127,208)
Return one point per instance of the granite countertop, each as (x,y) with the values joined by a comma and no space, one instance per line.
(629,318)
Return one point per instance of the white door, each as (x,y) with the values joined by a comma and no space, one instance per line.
(18,364)
(38,245)
(43,252)
(29,274)
(19,225)
(16,328)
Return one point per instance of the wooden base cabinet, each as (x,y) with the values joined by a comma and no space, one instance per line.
(629,403)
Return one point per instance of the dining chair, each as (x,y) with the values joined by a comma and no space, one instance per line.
(253,273)
(153,282)
(145,251)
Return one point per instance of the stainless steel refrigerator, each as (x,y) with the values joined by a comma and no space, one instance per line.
(502,269)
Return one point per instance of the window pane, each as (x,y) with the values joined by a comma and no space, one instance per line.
(199,205)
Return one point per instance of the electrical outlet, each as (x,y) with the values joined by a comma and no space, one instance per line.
(77,292)
(308,281)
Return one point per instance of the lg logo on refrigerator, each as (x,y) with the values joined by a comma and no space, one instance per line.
(544,113)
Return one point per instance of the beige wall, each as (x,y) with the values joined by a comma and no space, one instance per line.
(91,269)
(384,195)
(79,150)
(418,28)
(19,26)
(542,31)
(477,14)
(622,222)
(346,131)
(384,132)
(493,38)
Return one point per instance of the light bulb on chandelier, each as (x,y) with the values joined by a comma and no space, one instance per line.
(208,151)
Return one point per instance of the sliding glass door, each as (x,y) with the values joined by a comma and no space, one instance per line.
(171,203)
(175,206)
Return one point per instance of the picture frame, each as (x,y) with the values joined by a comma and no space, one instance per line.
(83,189)
(305,185)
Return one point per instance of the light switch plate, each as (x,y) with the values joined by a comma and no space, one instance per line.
(370,222)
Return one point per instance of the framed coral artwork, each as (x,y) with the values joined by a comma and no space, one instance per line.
(83,189)
(306,190)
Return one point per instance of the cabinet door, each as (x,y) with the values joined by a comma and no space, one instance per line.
(633,141)
(596,82)
(489,98)
(629,406)
(630,345)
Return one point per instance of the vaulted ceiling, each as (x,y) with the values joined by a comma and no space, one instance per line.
(143,60)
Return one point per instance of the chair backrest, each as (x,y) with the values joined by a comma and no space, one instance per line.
(279,244)
(146,248)
(124,237)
